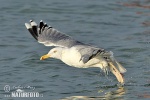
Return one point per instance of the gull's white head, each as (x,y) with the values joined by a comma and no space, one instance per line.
(53,53)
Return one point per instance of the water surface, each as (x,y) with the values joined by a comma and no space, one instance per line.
(122,27)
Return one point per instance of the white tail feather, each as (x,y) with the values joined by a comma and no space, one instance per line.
(121,68)
(117,64)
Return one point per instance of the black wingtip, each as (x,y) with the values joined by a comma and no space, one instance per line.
(34,27)
(30,29)
(50,27)
(31,21)
(32,33)
(40,26)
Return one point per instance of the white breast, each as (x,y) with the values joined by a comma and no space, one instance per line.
(72,57)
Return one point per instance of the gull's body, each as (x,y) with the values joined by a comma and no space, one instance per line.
(74,53)
(74,59)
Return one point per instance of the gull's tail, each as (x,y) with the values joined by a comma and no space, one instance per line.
(116,68)
(120,68)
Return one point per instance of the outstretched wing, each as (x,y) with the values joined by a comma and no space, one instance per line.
(49,36)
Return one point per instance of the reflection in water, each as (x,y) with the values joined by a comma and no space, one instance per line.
(116,94)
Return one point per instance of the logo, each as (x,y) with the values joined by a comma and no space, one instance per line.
(19,91)
(6,88)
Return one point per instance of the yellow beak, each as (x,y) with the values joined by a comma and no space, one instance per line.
(44,57)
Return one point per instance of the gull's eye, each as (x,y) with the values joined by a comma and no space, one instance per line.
(55,51)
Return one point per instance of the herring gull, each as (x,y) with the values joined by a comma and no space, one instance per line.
(73,52)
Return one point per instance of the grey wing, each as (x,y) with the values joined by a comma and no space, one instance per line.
(49,36)
(88,52)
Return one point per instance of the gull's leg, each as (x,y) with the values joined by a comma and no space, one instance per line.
(105,69)
(115,71)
